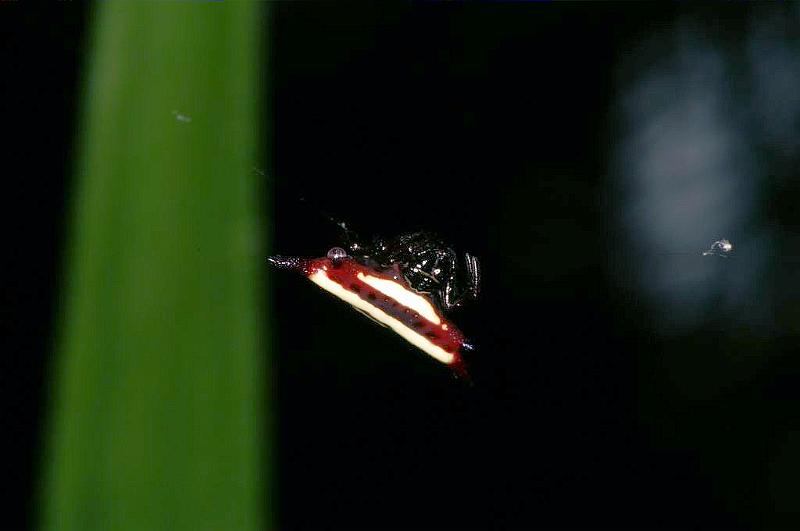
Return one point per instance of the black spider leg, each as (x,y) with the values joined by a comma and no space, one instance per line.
(450,296)
(474,273)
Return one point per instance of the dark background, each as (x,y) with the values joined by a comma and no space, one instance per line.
(41,60)
(497,126)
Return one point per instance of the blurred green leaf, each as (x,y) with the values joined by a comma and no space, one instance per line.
(158,418)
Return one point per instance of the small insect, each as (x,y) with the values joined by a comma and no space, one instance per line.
(406,283)
(721,248)
(179,116)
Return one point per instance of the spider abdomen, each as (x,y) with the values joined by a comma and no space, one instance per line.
(387,298)
(389,294)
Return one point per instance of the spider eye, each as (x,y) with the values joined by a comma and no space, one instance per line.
(337,253)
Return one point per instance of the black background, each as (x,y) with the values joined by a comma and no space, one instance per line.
(41,60)
(492,125)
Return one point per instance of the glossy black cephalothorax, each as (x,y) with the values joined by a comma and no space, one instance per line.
(428,265)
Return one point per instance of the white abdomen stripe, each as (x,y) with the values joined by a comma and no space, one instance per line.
(402,295)
(321,279)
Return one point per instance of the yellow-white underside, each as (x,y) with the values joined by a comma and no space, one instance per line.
(321,279)
(405,297)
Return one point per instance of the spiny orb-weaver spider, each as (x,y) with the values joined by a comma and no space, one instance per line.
(406,283)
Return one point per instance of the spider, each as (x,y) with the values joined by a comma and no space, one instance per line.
(405,283)
(428,265)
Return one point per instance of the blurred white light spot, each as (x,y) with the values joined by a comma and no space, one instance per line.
(721,248)
(688,170)
(185,118)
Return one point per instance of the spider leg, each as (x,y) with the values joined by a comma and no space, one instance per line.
(474,273)
(423,273)
(449,296)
